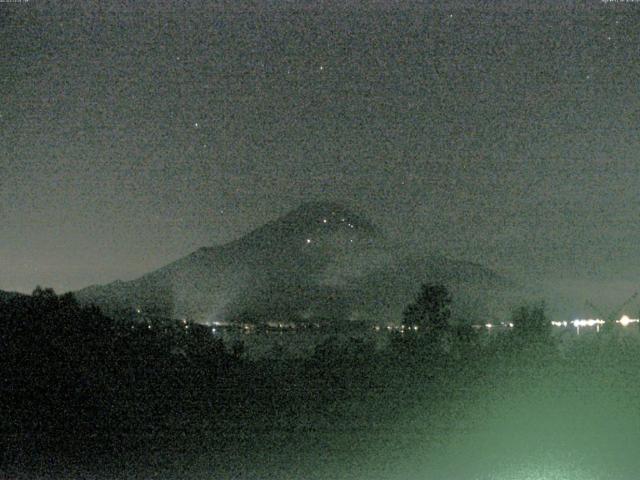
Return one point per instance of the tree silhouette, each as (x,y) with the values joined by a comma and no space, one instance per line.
(530,322)
(431,310)
(45,297)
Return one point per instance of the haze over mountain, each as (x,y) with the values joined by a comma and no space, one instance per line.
(322,262)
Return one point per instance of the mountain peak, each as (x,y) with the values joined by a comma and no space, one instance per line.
(322,208)
(307,224)
(325,214)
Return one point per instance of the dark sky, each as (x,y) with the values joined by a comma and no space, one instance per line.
(133,133)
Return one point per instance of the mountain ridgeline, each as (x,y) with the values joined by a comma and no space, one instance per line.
(320,263)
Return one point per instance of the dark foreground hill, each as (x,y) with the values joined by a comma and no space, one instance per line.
(320,263)
(6,296)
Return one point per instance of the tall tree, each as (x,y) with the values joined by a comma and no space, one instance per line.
(530,321)
(431,310)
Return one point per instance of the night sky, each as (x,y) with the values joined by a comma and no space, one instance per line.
(134,133)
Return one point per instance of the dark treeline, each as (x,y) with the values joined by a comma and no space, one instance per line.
(78,387)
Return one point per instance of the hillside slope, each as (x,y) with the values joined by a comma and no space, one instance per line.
(321,261)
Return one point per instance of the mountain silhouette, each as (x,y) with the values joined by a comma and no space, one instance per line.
(320,262)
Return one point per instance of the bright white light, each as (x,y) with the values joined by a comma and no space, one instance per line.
(579,322)
(308,240)
(324,220)
(489,325)
(588,322)
(625,320)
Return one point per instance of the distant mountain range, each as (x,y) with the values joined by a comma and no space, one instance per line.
(320,262)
